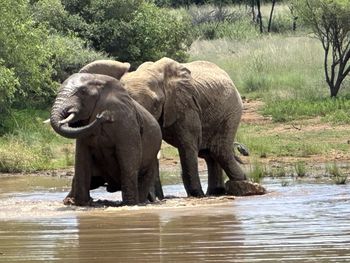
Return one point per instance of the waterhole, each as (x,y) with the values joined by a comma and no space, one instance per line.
(300,222)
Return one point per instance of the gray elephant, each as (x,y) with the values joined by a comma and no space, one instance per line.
(199,110)
(117,139)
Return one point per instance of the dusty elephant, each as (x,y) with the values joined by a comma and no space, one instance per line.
(199,110)
(117,139)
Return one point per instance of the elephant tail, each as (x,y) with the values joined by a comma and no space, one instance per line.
(242,150)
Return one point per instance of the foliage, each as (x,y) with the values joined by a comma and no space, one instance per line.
(210,22)
(23,52)
(69,54)
(29,145)
(8,85)
(53,14)
(329,20)
(134,31)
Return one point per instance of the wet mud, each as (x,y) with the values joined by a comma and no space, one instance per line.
(300,222)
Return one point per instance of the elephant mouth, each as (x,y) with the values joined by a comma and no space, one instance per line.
(77,124)
(73,121)
(71,126)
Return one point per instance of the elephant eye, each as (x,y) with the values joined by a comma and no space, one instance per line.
(83,91)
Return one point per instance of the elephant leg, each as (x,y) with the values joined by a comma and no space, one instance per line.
(147,183)
(228,162)
(156,189)
(190,176)
(80,191)
(216,184)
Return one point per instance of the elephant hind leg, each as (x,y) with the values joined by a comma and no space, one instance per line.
(216,184)
(225,157)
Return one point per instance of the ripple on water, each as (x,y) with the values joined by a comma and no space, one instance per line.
(297,223)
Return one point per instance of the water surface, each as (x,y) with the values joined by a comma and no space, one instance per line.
(302,222)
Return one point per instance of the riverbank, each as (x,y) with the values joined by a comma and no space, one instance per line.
(299,148)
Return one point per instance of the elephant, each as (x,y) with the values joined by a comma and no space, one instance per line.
(117,139)
(199,110)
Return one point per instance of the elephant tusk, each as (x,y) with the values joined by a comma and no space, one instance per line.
(47,121)
(68,119)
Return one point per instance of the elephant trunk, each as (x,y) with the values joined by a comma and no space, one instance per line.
(60,121)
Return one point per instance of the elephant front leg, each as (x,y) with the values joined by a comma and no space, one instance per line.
(80,191)
(190,176)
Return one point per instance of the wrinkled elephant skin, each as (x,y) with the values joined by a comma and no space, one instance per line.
(199,110)
(117,140)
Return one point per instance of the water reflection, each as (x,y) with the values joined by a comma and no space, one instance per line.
(299,223)
(194,236)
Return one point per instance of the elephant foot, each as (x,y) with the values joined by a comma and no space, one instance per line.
(244,188)
(217,191)
(73,201)
(195,193)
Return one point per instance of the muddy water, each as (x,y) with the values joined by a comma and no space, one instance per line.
(302,222)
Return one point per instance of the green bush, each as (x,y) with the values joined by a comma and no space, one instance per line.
(56,18)
(134,31)
(23,51)
(69,54)
(8,85)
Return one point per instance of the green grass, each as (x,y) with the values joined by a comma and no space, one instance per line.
(336,174)
(264,141)
(271,67)
(330,110)
(30,145)
(257,171)
(300,168)
(285,71)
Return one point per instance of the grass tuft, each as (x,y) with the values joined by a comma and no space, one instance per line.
(257,172)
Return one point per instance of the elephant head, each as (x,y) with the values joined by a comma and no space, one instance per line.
(155,85)
(80,105)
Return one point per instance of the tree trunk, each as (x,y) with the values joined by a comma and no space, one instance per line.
(271,14)
(259,16)
(253,10)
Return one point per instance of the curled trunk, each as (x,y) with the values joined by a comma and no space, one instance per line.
(60,122)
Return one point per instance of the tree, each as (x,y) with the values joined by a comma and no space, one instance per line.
(24,59)
(330,22)
(271,14)
(133,31)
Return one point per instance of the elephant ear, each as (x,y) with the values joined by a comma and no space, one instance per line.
(177,79)
(110,68)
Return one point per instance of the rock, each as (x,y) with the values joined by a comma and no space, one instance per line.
(244,188)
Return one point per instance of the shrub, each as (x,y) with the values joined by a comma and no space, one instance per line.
(134,31)
(23,52)
(56,18)
(8,85)
(69,54)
